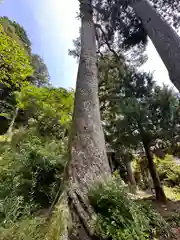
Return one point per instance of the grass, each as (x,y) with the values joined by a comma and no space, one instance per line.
(39,228)
(26,229)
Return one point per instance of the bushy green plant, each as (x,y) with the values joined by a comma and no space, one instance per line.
(174,220)
(119,216)
(169,170)
(26,229)
(31,171)
(156,222)
(38,228)
(50,107)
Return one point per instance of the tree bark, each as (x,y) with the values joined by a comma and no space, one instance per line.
(147,181)
(163,36)
(130,174)
(10,129)
(88,159)
(160,195)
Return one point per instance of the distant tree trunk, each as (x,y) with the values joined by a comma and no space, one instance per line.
(145,174)
(88,159)
(164,38)
(111,159)
(130,175)
(10,129)
(160,195)
(110,163)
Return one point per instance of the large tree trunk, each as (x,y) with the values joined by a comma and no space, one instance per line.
(89,161)
(164,38)
(160,195)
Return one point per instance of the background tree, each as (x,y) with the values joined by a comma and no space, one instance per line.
(19,67)
(41,75)
(16,32)
(14,69)
(167,103)
(131,111)
(140,124)
(51,108)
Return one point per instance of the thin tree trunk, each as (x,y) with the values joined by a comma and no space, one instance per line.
(160,195)
(130,174)
(88,159)
(145,174)
(164,38)
(10,129)
(110,163)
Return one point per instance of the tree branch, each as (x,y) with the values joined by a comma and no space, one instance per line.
(106,41)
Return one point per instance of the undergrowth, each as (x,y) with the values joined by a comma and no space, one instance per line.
(38,228)
(31,171)
(120,217)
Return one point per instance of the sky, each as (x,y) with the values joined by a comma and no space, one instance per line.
(51,27)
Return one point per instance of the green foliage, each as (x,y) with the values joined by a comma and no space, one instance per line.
(174,220)
(16,32)
(50,107)
(37,228)
(14,68)
(172,193)
(119,215)
(47,101)
(22,35)
(169,170)
(125,97)
(26,229)
(157,222)
(135,112)
(31,171)
(18,68)
(41,75)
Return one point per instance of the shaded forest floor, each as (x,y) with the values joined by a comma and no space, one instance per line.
(169,211)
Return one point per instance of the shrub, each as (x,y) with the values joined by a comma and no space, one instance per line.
(156,221)
(38,228)
(119,216)
(174,220)
(169,170)
(31,170)
(26,229)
